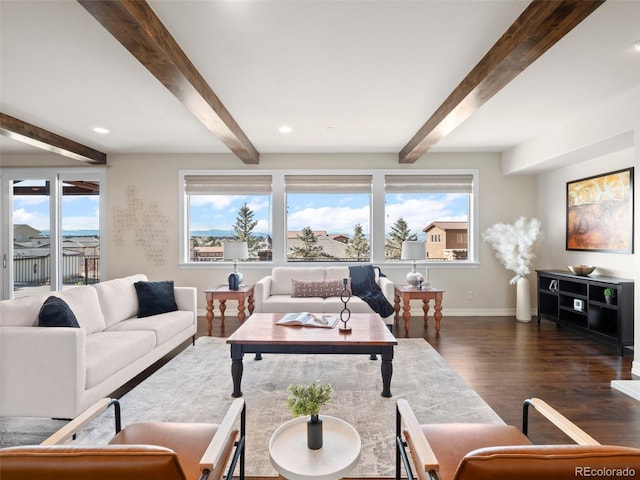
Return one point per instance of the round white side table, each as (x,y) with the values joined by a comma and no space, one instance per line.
(292,459)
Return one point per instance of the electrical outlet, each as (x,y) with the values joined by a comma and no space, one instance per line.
(469,295)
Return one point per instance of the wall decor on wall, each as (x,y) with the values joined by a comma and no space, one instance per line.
(600,213)
(147,225)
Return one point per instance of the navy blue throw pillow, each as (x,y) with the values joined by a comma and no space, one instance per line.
(55,312)
(155,298)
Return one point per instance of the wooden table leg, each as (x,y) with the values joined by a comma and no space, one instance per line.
(406,313)
(241,315)
(251,302)
(438,313)
(223,307)
(425,310)
(396,305)
(209,314)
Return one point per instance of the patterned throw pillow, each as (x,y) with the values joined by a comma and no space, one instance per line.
(316,288)
(333,288)
(301,288)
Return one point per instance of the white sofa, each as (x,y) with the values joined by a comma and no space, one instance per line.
(273,293)
(58,372)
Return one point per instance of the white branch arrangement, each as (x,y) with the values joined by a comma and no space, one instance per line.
(514,244)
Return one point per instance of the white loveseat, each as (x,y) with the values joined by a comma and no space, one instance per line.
(273,293)
(59,372)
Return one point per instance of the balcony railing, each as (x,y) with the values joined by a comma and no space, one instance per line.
(36,269)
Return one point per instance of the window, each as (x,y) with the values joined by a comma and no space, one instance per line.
(323,216)
(52,230)
(432,207)
(228,207)
(328,218)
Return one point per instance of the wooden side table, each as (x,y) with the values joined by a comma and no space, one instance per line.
(243,295)
(293,460)
(406,293)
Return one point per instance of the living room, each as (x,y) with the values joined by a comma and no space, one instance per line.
(524,179)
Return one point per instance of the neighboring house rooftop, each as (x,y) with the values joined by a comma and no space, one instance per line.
(446,226)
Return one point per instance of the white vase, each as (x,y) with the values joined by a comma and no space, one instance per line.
(523,300)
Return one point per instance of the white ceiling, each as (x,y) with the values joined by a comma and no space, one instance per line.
(347,76)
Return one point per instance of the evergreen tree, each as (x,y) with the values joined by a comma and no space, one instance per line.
(244,226)
(309,247)
(358,247)
(399,233)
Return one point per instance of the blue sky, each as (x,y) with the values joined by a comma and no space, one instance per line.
(79,212)
(335,213)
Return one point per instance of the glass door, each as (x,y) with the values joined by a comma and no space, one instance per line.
(31,219)
(50,230)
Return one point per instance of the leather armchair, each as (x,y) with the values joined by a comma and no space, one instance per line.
(503,452)
(171,451)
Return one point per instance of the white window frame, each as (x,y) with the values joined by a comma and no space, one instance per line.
(56,176)
(279,215)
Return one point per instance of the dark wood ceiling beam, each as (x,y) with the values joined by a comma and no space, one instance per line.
(24,132)
(135,25)
(542,24)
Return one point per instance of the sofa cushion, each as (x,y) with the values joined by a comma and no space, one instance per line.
(56,313)
(21,312)
(155,298)
(165,325)
(287,303)
(336,273)
(355,305)
(118,298)
(84,303)
(281,277)
(108,352)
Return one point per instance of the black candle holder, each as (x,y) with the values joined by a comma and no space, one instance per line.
(345,314)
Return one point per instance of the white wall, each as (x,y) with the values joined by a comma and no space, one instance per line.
(552,213)
(155,181)
(603,139)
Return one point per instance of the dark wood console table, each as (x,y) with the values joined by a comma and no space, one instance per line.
(578,303)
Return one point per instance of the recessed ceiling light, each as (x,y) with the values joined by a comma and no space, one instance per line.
(285,129)
(101,130)
(636,46)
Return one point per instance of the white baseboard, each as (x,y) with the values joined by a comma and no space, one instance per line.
(628,387)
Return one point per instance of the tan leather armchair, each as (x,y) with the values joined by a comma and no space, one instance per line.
(503,452)
(171,451)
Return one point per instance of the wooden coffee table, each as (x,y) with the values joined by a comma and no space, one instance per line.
(259,334)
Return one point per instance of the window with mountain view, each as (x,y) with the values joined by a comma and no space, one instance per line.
(432,208)
(228,207)
(328,218)
(315,216)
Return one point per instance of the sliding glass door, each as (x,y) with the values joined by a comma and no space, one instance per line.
(50,230)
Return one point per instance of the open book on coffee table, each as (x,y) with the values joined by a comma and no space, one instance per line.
(306,319)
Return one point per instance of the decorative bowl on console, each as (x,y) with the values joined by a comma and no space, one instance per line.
(582,270)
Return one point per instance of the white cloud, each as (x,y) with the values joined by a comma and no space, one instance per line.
(420,212)
(37,220)
(331,219)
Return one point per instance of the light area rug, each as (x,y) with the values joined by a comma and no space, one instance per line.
(196,387)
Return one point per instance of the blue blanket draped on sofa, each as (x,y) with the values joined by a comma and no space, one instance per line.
(363,285)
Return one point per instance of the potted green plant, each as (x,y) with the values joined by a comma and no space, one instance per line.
(609,295)
(307,400)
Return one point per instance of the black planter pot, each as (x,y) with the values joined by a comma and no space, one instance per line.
(314,432)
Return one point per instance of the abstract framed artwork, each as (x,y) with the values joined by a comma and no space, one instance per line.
(600,213)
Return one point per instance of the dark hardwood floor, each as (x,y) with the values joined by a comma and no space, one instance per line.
(506,361)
